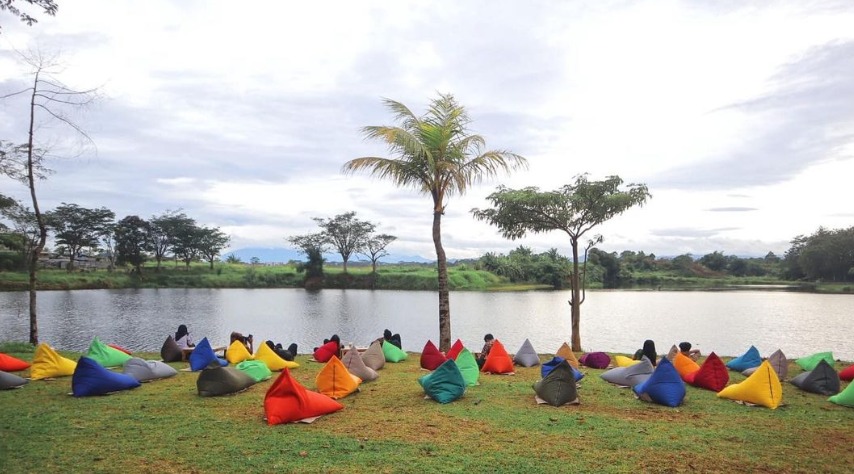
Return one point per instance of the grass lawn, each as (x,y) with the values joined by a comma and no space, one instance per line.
(164,426)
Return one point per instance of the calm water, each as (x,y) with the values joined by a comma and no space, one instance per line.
(613,321)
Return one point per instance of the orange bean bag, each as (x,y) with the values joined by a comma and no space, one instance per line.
(498,361)
(12,364)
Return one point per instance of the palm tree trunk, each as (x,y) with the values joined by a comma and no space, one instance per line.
(444,296)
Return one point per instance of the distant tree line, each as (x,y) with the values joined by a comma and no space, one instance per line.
(131,241)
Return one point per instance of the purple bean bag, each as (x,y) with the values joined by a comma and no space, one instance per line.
(595,360)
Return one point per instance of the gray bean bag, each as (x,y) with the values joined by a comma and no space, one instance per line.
(778,362)
(8,380)
(145,370)
(631,375)
(526,356)
(823,379)
(170,352)
(356,366)
(374,357)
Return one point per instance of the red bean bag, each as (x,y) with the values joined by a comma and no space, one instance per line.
(847,374)
(455,349)
(287,401)
(431,358)
(326,351)
(12,364)
(118,347)
(498,361)
(713,374)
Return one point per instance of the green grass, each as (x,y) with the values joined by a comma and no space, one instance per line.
(164,426)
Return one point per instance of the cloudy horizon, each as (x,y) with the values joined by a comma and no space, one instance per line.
(736,115)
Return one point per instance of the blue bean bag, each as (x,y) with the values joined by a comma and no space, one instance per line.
(203,355)
(445,384)
(90,378)
(664,386)
(745,361)
(550,365)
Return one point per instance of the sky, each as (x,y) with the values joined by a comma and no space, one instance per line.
(737,115)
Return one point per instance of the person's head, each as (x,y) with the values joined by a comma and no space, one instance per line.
(488,337)
(181,332)
(649,351)
(336,339)
(386,334)
(685,346)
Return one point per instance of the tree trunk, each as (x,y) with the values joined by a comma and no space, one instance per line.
(575,302)
(345,265)
(37,249)
(444,296)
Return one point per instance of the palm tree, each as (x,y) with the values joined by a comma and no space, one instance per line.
(436,155)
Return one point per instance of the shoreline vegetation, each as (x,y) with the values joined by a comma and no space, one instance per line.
(388,277)
(388,426)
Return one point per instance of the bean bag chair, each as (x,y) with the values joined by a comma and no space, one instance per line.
(203,355)
(671,354)
(47,363)
(431,357)
(237,353)
(255,369)
(217,380)
(274,362)
(847,374)
(712,375)
(547,367)
(455,349)
(170,351)
(326,351)
(392,353)
(761,388)
(623,361)
(106,355)
(91,378)
(356,366)
(745,361)
(664,386)
(631,375)
(685,365)
(558,387)
(287,401)
(823,379)
(335,381)
(120,348)
(446,383)
(373,357)
(566,353)
(12,364)
(778,362)
(595,360)
(845,397)
(526,356)
(498,361)
(8,381)
(146,370)
(467,365)
(811,361)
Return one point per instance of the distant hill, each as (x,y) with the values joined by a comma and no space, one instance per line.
(284,255)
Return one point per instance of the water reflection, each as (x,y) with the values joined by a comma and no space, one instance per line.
(614,321)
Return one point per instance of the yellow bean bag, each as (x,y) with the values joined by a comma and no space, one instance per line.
(48,363)
(273,361)
(623,361)
(565,352)
(237,353)
(335,381)
(761,388)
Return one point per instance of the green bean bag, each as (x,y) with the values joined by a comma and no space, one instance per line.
(257,369)
(106,355)
(445,384)
(468,367)
(845,397)
(811,361)
(393,353)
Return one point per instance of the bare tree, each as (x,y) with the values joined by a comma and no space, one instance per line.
(48,98)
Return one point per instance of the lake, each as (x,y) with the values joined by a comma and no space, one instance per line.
(612,321)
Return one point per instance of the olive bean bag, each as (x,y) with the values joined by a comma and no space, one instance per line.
(526,356)
(456,347)
(47,363)
(393,353)
(431,357)
(170,351)
(203,355)
(445,384)
(147,370)
(287,401)
(747,360)
(256,369)
(374,357)
(761,388)
(823,379)
(274,361)
(217,380)
(91,378)
(558,387)
(664,386)
(811,361)
(335,381)
(12,364)
(467,364)
(356,366)
(712,375)
(106,355)
(8,381)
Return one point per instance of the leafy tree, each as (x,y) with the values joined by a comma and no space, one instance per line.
(49,7)
(47,96)
(132,237)
(375,248)
(346,234)
(313,245)
(828,254)
(186,242)
(610,264)
(78,227)
(436,155)
(211,243)
(574,209)
(164,230)
(231,258)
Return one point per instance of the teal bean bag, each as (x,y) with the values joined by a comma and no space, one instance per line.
(745,361)
(445,384)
